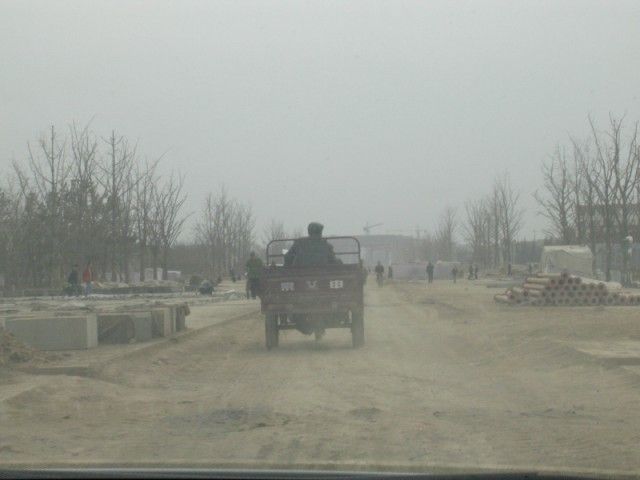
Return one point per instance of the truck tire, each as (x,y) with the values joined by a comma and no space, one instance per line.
(357,329)
(271,330)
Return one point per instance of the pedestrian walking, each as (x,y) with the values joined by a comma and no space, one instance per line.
(254,271)
(87,279)
(74,281)
(454,273)
(475,272)
(430,272)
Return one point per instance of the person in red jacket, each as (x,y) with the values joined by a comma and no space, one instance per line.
(87,278)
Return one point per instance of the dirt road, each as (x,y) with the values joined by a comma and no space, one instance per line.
(447,380)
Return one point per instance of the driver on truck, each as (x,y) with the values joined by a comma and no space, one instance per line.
(312,250)
(306,252)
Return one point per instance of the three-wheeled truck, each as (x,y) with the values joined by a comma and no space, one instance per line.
(312,299)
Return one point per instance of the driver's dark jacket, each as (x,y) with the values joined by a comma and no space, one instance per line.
(310,251)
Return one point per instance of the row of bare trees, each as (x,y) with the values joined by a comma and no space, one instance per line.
(591,191)
(224,233)
(275,230)
(77,198)
(492,224)
(440,245)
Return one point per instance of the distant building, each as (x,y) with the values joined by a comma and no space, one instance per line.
(386,249)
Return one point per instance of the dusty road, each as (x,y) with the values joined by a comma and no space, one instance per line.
(447,379)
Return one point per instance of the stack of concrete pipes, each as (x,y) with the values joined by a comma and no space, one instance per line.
(563,289)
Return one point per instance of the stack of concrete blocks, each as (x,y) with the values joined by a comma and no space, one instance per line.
(47,331)
(73,330)
(177,318)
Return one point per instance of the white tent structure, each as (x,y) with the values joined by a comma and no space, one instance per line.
(574,259)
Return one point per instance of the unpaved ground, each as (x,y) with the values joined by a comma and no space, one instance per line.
(447,379)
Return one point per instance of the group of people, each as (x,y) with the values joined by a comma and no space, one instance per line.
(455,272)
(73,280)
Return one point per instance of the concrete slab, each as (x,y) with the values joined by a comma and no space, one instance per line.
(143,326)
(115,328)
(173,313)
(162,322)
(181,313)
(49,332)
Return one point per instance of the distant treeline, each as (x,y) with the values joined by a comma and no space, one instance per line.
(78,197)
(591,190)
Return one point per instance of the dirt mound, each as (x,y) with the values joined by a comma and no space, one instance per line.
(13,350)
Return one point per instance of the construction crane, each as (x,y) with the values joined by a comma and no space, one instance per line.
(367,228)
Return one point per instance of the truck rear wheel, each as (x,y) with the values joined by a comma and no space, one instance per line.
(357,329)
(271,330)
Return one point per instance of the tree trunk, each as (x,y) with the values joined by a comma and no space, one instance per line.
(154,261)
(165,263)
(143,261)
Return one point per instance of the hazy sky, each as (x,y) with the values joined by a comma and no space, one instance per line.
(343,112)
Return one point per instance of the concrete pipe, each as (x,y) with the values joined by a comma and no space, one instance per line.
(501,298)
(551,276)
(520,291)
(538,281)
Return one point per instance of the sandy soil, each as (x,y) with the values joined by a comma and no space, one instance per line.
(447,380)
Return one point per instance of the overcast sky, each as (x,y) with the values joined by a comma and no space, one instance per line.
(343,112)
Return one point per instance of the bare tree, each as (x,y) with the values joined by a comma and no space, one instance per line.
(85,202)
(510,215)
(445,234)
(274,231)
(625,173)
(585,176)
(477,230)
(168,203)
(225,231)
(143,207)
(118,170)
(557,201)
(603,182)
(49,170)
